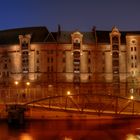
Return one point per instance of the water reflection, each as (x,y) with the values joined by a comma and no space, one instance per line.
(132,137)
(25,136)
(73,130)
(67,138)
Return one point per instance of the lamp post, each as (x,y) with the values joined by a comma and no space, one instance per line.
(17,96)
(68,94)
(27,93)
(132,98)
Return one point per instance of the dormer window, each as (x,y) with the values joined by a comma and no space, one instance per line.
(24,45)
(115,39)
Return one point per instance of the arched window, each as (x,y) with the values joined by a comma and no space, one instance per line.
(115,47)
(115,54)
(115,39)
(115,63)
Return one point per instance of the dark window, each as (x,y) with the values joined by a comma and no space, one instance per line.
(37,61)
(51,68)
(76,45)
(5,66)
(115,63)
(64,60)
(48,59)
(7,74)
(89,60)
(76,54)
(115,54)
(24,45)
(89,70)
(115,39)
(37,52)
(115,47)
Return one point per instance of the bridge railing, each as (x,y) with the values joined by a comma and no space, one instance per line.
(98,103)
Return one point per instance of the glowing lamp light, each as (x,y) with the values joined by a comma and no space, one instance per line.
(16,83)
(27,83)
(131,97)
(68,92)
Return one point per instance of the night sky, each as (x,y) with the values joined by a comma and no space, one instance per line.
(70,14)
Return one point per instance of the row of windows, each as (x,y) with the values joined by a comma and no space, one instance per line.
(133,65)
(50,69)
(5,74)
(133,49)
(115,47)
(133,57)
(50,59)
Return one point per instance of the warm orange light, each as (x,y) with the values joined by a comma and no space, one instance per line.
(68,93)
(131,97)
(25,136)
(27,83)
(16,83)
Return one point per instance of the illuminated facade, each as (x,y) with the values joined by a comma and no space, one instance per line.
(105,62)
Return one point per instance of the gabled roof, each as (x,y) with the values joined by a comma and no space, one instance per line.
(38,34)
(41,34)
(64,37)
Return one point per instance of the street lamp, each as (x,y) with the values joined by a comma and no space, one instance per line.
(16,82)
(131,97)
(27,90)
(68,93)
(17,96)
(27,83)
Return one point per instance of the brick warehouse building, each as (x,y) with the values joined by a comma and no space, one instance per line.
(100,62)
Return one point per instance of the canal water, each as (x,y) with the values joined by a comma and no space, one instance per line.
(72,130)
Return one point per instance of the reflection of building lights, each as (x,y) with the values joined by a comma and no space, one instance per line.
(67,138)
(16,82)
(131,137)
(50,86)
(68,92)
(26,137)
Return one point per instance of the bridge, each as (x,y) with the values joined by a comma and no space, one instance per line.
(79,104)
